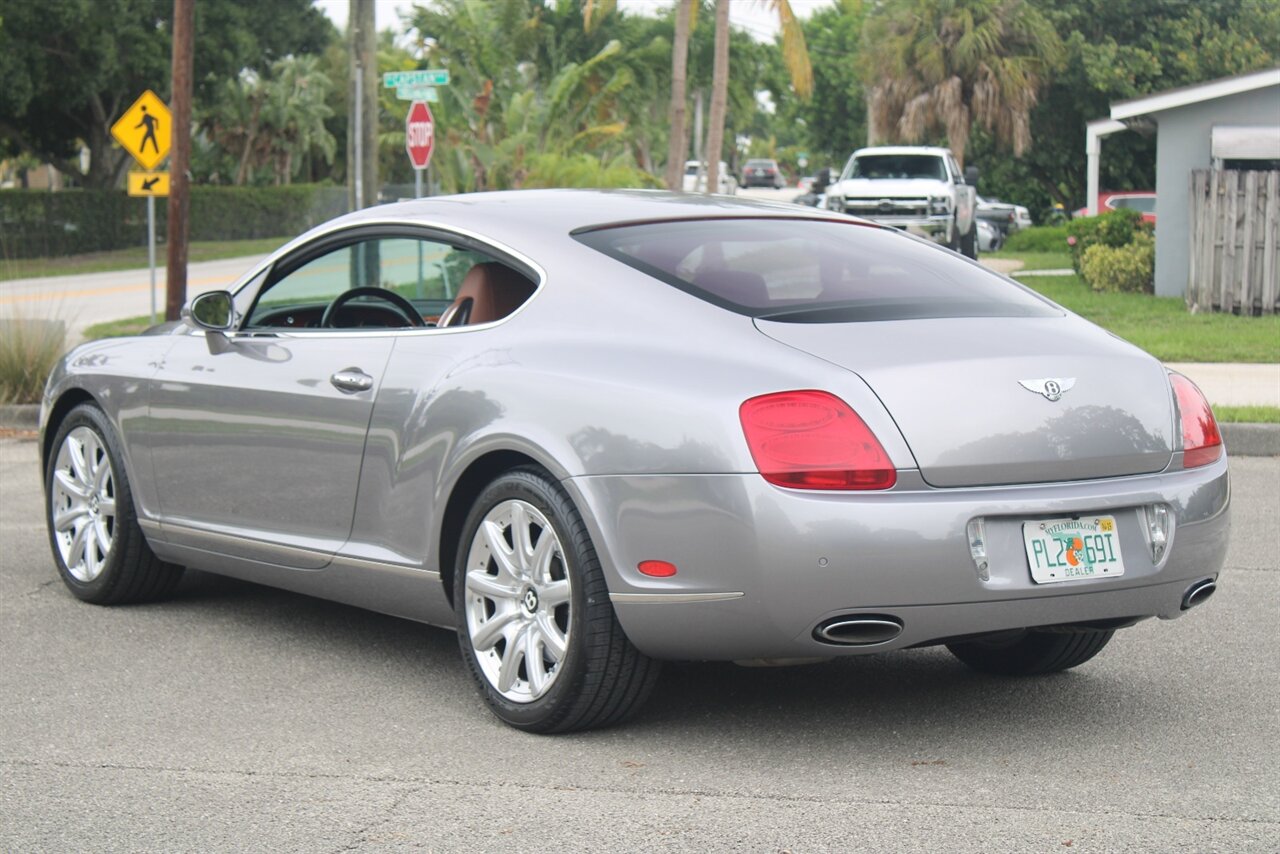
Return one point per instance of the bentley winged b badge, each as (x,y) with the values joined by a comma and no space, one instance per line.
(1052,388)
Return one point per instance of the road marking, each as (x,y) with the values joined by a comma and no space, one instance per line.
(118,289)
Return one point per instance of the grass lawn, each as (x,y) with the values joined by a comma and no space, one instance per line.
(117,328)
(1247,414)
(132,258)
(1163,327)
(1035,260)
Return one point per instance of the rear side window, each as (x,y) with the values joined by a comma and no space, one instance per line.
(813,271)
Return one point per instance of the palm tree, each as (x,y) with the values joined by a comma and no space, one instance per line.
(935,65)
(794,54)
(679,68)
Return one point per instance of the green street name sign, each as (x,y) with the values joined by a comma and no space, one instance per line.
(422,77)
(418,93)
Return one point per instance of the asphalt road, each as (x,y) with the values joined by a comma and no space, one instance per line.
(236,717)
(85,299)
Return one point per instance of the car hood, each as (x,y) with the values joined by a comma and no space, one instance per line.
(957,389)
(888,188)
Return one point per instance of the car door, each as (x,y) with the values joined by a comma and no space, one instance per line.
(966,197)
(258,435)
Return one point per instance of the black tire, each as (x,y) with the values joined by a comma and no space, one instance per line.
(969,242)
(131,572)
(601,679)
(1031,653)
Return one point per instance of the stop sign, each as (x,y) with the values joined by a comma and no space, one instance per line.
(419,134)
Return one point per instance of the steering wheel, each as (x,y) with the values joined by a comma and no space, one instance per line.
(402,306)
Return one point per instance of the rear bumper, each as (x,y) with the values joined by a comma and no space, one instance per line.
(760,567)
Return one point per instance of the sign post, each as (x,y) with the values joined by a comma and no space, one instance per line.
(146,132)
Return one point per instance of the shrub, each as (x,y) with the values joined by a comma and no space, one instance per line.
(1039,238)
(1125,269)
(29,348)
(1113,228)
(36,224)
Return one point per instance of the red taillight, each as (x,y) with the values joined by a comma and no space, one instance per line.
(813,440)
(1201,441)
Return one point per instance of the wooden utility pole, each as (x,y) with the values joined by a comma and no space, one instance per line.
(180,156)
(362,156)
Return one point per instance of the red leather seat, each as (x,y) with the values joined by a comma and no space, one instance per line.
(489,292)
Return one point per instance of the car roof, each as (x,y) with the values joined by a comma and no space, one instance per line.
(518,216)
(904,149)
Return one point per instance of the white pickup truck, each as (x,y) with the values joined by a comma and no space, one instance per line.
(915,188)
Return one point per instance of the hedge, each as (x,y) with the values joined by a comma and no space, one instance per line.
(39,224)
(1038,238)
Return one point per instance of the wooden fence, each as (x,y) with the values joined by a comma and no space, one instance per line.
(1235,241)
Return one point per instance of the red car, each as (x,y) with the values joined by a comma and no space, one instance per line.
(1143,201)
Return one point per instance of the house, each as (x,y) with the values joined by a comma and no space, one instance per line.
(1232,123)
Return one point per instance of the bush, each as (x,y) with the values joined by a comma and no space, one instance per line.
(1039,238)
(1121,269)
(29,348)
(35,224)
(1113,228)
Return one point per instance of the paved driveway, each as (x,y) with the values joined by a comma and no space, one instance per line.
(236,717)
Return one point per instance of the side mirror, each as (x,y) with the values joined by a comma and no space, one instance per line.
(971,176)
(214,311)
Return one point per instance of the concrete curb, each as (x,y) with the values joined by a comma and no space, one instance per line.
(1242,440)
(1251,440)
(20,416)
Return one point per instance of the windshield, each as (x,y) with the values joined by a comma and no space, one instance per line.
(877,166)
(814,271)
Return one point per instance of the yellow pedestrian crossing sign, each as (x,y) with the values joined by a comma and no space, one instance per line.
(149,184)
(145,130)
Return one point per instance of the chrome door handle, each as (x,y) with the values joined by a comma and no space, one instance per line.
(351,380)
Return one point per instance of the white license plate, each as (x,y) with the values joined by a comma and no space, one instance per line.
(1070,549)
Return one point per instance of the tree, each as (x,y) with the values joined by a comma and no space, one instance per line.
(948,64)
(794,53)
(679,94)
(719,97)
(506,121)
(71,68)
(267,124)
(1115,50)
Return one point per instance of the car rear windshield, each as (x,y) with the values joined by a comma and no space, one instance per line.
(877,166)
(813,271)
(761,163)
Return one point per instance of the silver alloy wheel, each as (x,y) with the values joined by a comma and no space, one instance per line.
(83,502)
(517,601)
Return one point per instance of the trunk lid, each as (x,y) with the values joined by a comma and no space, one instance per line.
(955,388)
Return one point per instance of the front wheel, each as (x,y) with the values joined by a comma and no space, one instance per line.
(98,547)
(535,623)
(1029,652)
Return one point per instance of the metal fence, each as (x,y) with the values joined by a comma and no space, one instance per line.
(1235,242)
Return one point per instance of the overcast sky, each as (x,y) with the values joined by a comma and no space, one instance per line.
(753,16)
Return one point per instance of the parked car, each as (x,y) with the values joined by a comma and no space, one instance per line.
(990,238)
(1007,218)
(1143,201)
(593,430)
(916,188)
(763,173)
(695,178)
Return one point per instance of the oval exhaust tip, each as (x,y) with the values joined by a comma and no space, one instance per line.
(1198,593)
(858,629)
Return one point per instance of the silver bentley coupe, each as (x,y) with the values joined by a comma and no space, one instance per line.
(592,431)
